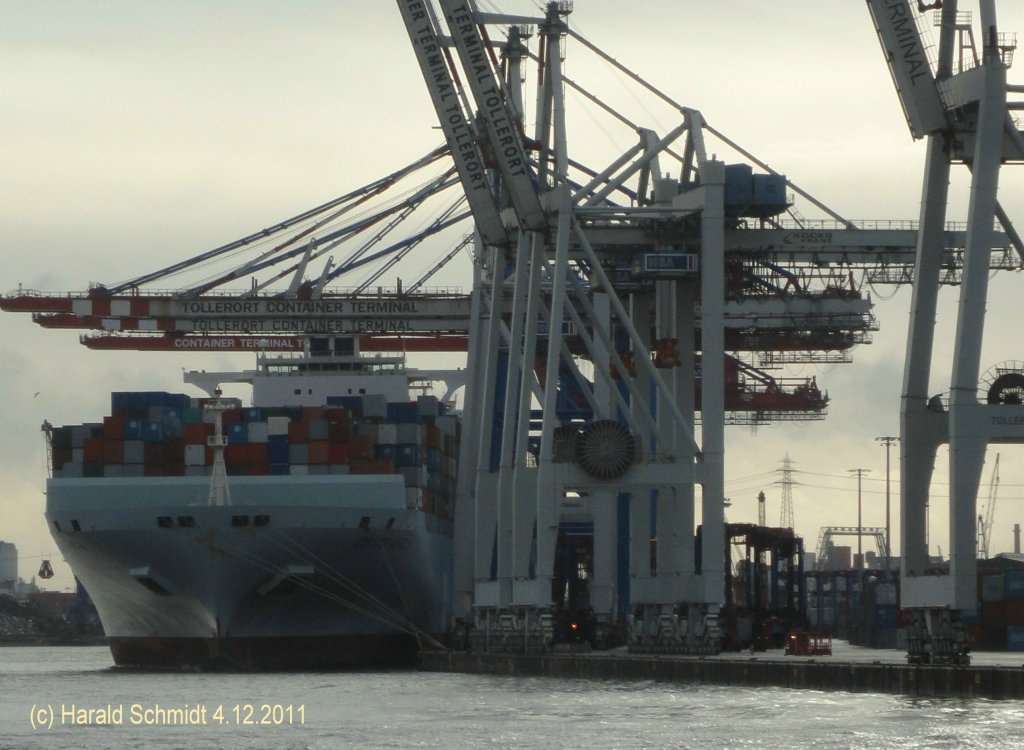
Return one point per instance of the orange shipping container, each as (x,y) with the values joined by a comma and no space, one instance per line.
(196,434)
(319,452)
(113,429)
(92,450)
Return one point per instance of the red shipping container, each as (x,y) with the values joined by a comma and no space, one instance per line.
(92,450)
(975,636)
(1014,611)
(312,412)
(113,452)
(360,466)
(339,432)
(298,432)
(236,454)
(361,447)
(256,455)
(338,454)
(993,614)
(319,452)
(431,436)
(174,454)
(113,428)
(232,415)
(196,434)
(382,466)
(337,414)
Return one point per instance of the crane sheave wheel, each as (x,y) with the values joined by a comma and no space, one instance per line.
(1008,388)
(605,449)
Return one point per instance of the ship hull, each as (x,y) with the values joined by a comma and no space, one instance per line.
(267,653)
(297,573)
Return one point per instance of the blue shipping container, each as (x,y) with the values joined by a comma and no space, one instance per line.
(153,431)
(403,413)
(1014,580)
(885,616)
(407,455)
(1015,637)
(238,432)
(277,449)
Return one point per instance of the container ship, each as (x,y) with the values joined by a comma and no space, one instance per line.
(312,529)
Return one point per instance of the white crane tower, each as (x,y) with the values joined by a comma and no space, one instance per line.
(964,115)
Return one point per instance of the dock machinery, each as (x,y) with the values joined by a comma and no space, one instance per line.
(621,287)
(963,114)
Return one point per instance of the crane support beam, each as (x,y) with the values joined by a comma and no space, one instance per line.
(912,75)
(501,124)
(457,131)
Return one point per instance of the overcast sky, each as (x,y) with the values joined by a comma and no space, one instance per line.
(136,134)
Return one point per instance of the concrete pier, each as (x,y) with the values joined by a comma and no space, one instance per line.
(999,677)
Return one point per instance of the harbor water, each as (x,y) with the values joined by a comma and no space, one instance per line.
(74,698)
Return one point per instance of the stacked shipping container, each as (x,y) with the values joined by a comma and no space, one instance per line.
(864,607)
(164,434)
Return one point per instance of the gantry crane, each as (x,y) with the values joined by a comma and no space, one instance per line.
(612,308)
(964,115)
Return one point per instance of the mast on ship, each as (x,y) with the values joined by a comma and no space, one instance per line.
(219,493)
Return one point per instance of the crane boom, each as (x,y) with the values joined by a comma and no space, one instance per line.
(457,130)
(912,75)
(499,122)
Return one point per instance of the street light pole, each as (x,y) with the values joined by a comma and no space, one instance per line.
(887,441)
(860,551)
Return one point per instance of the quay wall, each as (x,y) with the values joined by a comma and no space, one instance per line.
(815,674)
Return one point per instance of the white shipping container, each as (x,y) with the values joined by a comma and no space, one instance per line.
(78,455)
(298,470)
(413,497)
(446,424)
(339,468)
(258,432)
(388,434)
(196,471)
(134,452)
(375,406)
(195,455)
(409,434)
(277,425)
(426,406)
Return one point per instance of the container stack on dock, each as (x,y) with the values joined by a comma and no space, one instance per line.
(859,606)
(999,623)
(166,434)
